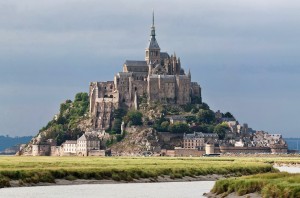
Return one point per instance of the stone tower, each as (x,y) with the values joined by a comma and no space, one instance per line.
(153,49)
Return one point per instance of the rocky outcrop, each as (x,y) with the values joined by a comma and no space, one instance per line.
(137,142)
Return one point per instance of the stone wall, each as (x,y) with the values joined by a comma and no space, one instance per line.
(189,153)
(231,149)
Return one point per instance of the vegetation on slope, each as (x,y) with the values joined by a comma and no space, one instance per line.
(199,118)
(45,169)
(65,125)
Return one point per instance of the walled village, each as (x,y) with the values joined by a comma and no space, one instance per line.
(152,108)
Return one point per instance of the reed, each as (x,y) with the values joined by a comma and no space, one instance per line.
(48,169)
(282,185)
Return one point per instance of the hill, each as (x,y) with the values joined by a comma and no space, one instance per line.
(6,141)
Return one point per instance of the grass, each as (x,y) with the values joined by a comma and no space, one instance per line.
(47,169)
(279,185)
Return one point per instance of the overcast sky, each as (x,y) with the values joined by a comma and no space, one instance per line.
(244,54)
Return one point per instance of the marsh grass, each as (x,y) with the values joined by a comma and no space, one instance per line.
(47,169)
(282,185)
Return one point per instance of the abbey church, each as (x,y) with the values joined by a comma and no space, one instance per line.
(158,78)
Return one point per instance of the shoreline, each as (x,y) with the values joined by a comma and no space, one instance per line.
(284,164)
(159,179)
(232,195)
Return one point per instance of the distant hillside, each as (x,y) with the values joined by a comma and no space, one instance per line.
(6,141)
(293,143)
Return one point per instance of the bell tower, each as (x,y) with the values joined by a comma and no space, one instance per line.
(152,51)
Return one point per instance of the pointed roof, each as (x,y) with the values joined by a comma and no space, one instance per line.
(153,42)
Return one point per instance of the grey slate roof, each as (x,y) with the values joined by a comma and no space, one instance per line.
(153,43)
(200,135)
(164,55)
(70,142)
(177,118)
(136,63)
(88,137)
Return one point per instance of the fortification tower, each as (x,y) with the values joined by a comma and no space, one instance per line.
(153,49)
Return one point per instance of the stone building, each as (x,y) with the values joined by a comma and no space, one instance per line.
(159,77)
(69,147)
(87,143)
(197,140)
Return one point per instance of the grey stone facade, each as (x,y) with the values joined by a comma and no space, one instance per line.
(159,78)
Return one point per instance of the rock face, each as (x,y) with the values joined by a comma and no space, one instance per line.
(138,141)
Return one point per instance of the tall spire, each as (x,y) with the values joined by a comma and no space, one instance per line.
(153,18)
(153,49)
(152,42)
(152,27)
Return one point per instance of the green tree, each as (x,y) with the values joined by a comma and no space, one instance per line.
(179,127)
(205,128)
(196,100)
(81,97)
(204,106)
(134,117)
(206,116)
(66,125)
(221,130)
(119,113)
(116,127)
(228,115)
(165,126)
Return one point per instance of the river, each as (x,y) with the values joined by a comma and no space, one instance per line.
(288,169)
(122,190)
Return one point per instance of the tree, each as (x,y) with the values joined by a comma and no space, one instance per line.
(221,130)
(165,126)
(119,113)
(190,119)
(204,106)
(206,116)
(205,128)
(196,100)
(65,125)
(116,127)
(134,117)
(81,97)
(179,127)
(228,115)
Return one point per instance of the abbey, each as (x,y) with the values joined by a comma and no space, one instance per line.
(158,78)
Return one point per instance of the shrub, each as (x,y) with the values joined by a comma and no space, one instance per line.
(135,117)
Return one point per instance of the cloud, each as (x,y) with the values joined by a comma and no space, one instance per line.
(238,51)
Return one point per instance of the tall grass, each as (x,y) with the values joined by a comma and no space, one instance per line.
(47,169)
(283,185)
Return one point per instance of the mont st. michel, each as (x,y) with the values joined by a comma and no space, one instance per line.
(151,108)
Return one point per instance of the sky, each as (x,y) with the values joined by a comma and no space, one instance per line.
(244,54)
